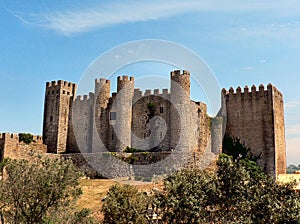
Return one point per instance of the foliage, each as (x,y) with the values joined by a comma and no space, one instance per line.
(33,192)
(233,146)
(124,204)
(26,138)
(151,106)
(187,197)
(70,217)
(237,193)
(131,159)
(3,163)
(132,150)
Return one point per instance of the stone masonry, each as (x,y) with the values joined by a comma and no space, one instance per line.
(256,117)
(11,147)
(159,121)
(57,114)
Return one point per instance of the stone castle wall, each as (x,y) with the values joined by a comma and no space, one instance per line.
(163,120)
(256,117)
(149,121)
(145,164)
(12,148)
(279,129)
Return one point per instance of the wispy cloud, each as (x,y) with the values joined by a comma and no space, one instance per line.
(70,21)
(289,30)
(103,15)
(262,61)
(247,68)
(292,104)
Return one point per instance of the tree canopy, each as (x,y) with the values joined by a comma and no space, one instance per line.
(40,191)
(239,192)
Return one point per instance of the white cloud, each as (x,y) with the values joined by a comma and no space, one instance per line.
(247,68)
(107,14)
(278,31)
(262,61)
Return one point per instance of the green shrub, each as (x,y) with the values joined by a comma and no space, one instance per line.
(151,106)
(27,138)
(132,150)
(131,159)
(138,178)
(124,204)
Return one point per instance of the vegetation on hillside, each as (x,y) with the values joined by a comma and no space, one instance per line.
(42,191)
(45,190)
(239,192)
(125,204)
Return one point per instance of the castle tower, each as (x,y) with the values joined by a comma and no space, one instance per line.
(57,110)
(256,117)
(101,115)
(180,104)
(123,112)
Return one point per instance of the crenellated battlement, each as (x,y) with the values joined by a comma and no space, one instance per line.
(60,83)
(139,93)
(7,135)
(125,81)
(125,78)
(60,87)
(15,137)
(38,138)
(148,92)
(102,81)
(81,98)
(179,73)
(262,91)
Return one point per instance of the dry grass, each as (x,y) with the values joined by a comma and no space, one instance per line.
(94,190)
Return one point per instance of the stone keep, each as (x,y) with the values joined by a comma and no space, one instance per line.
(57,114)
(256,117)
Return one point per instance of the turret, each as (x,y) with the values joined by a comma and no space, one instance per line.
(58,102)
(180,105)
(180,85)
(123,106)
(102,92)
(99,114)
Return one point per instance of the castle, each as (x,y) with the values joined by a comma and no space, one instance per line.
(127,118)
(162,121)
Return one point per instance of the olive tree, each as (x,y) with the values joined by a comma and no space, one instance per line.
(31,192)
(124,204)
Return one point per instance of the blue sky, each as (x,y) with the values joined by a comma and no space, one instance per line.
(243,42)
